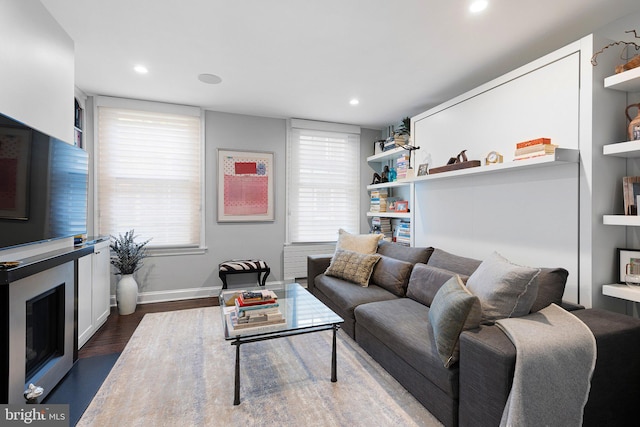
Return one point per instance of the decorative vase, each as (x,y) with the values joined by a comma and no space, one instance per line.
(127,294)
(634,125)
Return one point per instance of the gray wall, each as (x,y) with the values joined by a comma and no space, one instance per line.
(184,276)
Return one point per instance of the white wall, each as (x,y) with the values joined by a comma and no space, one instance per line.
(36,69)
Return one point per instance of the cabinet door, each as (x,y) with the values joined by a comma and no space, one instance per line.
(101,284)
(85,297)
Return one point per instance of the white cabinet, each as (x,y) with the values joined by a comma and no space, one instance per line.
(93,291)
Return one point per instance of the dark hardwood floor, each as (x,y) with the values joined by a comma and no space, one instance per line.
(113,336)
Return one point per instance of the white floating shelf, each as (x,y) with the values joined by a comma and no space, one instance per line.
(629,149)
(393,184)
(561,156)
(390,214)
(387,155)
(629,220)
(622,291)
(628,81)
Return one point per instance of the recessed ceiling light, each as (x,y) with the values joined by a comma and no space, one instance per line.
(478,6)
(354,102)
(211,79)
(140,69)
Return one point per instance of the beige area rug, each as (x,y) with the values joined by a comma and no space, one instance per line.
(177,370)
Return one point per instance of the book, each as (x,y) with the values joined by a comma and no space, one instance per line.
(533,155)
(233,325)
(533,142)
(548,148)
(256,297)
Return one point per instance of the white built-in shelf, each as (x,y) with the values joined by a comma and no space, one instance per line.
(402,183)
(561,156)
(387,155)
(630,220)
(629,149)
(390,214)
(628,81)
(622,291)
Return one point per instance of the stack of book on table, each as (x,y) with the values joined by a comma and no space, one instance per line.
(256,308)
(534,148)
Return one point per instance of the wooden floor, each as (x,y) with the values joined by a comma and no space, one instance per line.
(113,336)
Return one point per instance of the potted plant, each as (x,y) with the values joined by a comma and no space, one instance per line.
(127,259)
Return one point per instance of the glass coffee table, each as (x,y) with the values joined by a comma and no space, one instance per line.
(303,314)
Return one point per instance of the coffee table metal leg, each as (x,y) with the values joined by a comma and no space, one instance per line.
(334,375)
(236,391)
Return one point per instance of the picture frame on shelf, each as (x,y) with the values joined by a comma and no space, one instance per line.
(423,169)
(630,191)
(402,206)
(245,186)
(626,256)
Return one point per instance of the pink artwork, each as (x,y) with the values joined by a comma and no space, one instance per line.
(246,191)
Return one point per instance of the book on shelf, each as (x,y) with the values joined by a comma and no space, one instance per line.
(546,148)
(533,155)
(533,142)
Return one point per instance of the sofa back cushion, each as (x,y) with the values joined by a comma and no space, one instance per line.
(551,283)
(392,274)
(457,264)
(425,281)
(404,253)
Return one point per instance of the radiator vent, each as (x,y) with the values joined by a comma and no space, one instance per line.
(295,258)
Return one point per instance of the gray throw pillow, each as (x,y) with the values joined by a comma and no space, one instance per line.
(454,310)
(504,289)
(352,266)
(392,275)
(425,282)
(551,284)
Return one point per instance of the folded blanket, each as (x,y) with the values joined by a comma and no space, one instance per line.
(555,358)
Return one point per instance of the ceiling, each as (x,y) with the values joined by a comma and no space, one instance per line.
(308,58)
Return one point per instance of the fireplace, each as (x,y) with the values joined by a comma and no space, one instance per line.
(41,328)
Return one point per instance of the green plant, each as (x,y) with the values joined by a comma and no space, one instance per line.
(128,254)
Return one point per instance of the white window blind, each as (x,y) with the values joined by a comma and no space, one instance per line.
(149,175)
(323,188)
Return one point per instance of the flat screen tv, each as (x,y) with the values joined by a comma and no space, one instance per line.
(43,186)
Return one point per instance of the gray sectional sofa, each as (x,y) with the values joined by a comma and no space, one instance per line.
(390,319)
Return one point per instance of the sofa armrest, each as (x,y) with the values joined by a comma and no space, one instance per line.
(571,306)
(487,363)
(316,265)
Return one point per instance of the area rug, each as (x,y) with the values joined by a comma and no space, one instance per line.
(177,370)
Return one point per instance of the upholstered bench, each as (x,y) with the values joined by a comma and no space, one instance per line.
(244,266)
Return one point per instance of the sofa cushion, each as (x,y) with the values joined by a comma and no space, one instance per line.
(454,310)
(352,266)
(457,264)
(361,243)
(551,283)
(402,325)
(504,289)
(392,275)
(347,295)
(425,281)
(405,253)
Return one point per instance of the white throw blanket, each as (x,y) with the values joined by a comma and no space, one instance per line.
(555,358)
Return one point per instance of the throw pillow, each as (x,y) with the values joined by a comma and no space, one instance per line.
(425,281)
(352,266)
(504,289)
(454,309)
(392,275)
(551,284)
(361,243)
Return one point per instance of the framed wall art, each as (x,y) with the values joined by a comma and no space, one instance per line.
(626,256)
(245,186)
(15,148)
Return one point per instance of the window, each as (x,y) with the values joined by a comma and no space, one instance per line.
(150,171)
(323,180)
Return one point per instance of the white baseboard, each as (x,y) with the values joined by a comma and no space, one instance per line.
(180,294)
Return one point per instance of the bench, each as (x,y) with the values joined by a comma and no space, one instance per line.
(244,266)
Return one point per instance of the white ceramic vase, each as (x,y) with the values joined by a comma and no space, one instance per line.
(127,294)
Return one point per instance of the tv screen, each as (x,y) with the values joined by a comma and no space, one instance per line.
(43,186)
